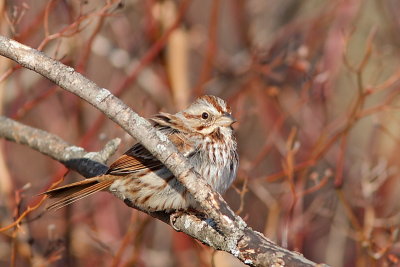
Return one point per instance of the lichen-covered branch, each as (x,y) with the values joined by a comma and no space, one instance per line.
(233,235)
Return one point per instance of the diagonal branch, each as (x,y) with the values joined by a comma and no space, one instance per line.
(234,236)
(88,164)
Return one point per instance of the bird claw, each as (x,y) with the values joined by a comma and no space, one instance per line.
(201,216)
(172,219)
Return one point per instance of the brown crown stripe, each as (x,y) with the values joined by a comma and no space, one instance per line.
(213,101)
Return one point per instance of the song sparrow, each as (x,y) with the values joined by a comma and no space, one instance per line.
(202,133)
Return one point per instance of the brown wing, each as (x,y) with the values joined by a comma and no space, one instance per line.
(134,160)
(139,158)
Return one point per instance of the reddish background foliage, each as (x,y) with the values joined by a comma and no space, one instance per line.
(313,84)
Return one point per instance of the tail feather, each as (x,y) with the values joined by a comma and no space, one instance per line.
(76,191)
(70,188)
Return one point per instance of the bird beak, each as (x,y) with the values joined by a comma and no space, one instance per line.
(226,120)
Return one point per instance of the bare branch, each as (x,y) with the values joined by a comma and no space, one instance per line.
(88,164)
(233,235)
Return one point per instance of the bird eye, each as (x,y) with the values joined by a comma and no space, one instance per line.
(204,115)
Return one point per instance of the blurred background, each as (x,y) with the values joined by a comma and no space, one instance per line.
(313,84)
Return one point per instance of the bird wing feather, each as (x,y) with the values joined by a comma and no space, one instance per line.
(138,158)
(134,160)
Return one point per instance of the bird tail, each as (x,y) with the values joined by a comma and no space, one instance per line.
(76,191)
